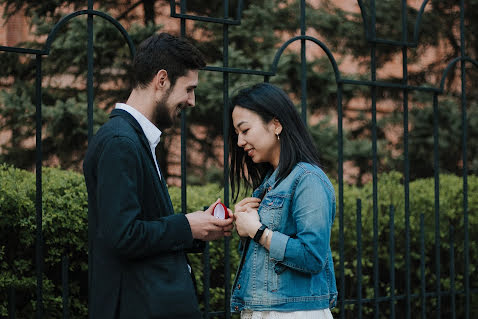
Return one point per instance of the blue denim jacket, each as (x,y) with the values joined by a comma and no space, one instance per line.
(298,272)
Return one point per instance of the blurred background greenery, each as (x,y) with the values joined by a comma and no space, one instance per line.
(265,26)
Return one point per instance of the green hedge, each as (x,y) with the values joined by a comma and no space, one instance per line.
(65,233)
(421,201)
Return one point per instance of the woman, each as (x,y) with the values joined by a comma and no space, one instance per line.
(286,269)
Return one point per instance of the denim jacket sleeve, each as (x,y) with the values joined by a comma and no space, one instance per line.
(312,208)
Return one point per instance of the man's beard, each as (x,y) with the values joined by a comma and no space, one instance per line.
(161,116)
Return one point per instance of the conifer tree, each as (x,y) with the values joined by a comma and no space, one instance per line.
(265,26)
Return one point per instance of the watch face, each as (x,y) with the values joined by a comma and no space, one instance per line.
(220,211)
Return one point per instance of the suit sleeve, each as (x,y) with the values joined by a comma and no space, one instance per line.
(119,176)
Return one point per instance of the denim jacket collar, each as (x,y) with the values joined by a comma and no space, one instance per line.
(267,184)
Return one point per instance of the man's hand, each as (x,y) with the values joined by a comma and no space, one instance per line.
(204,226)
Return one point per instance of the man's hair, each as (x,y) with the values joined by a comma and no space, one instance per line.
(164,51)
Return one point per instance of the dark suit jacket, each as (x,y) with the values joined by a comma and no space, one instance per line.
(137,263)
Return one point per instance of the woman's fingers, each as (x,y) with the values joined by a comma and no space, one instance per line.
(248,202)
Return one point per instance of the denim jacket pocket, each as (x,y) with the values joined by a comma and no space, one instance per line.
(270,211)
(279,268)
(275,271)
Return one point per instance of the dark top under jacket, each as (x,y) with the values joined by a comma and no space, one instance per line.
(137,262)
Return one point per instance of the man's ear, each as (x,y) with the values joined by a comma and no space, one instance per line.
(161,80)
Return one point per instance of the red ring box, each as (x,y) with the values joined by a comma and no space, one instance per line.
(220,211)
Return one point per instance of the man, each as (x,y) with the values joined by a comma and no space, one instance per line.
(138,267)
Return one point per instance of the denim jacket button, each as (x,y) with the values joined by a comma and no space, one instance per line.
(236,308)
(239,286)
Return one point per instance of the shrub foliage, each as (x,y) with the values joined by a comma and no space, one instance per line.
(65,223)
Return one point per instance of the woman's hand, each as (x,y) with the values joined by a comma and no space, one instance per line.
(243,222)
(247,222)
(248,202)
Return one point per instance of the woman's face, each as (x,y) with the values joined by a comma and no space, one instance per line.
(258,139)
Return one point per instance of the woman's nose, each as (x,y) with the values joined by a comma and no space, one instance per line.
(240,141)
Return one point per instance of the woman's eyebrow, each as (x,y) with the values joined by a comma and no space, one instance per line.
(240,123)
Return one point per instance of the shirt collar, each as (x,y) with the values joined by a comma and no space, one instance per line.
(153,134)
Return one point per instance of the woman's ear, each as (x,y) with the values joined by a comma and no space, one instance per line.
(277,126)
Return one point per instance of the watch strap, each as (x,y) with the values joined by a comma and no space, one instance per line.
(259,233)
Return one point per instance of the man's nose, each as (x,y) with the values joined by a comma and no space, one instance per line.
(191,99)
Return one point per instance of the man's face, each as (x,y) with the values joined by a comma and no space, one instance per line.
(177,98)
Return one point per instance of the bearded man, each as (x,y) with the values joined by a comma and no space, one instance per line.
(137,261)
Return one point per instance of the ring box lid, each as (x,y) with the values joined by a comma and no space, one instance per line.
(220,211)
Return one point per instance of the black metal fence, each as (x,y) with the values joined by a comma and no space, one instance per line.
(378,302)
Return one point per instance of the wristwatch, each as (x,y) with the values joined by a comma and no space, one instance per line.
(259,233)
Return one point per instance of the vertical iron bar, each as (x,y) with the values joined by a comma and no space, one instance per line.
(206,280)
(374,167)
(65,291)
(89,79)
(226,124)
(407,210)
(406,159)
(358,226)
(183,9)
(11,302)
(89,87)
(303,64)
(183,130)
(436,124)
(225,79)
(452,272)
(39,208)
(340,144)
(392,261)
(422,266)
(465,165)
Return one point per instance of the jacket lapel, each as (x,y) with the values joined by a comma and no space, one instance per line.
(160,184)
(132,121)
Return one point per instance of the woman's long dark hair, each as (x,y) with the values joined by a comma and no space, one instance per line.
(269,102)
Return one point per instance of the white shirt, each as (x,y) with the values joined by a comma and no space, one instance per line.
(153,134)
